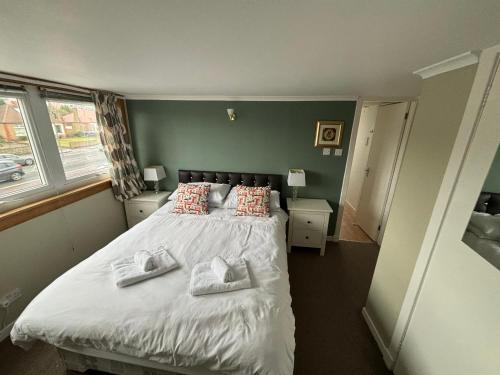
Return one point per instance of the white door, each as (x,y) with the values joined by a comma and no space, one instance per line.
(386,141)
(455,326)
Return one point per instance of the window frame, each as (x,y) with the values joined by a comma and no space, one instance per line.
(46,152)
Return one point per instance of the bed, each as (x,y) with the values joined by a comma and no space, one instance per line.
(157,327)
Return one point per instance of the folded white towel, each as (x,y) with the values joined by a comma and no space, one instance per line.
(222,269)
(204,280)
(127,272)
(144,260)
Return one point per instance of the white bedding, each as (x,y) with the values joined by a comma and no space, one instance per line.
(249,331)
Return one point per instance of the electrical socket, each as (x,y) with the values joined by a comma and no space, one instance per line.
(10,297)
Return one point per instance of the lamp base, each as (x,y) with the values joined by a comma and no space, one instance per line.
(157,187)
(295,192)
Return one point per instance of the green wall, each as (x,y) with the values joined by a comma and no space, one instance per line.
(267,137)
(492,182)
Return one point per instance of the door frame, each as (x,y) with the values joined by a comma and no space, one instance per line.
(487,69)
(350,154)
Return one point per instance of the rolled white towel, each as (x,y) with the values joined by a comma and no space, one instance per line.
(205,281)
(126,272)
(222,270)
(144,260)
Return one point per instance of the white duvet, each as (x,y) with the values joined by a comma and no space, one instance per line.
(249,331)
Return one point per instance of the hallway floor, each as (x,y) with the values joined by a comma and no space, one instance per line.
(350,231)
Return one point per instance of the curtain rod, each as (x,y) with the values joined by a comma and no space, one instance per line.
(24,80)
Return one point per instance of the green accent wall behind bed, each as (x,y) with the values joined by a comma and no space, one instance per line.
(492,183)
(267,137)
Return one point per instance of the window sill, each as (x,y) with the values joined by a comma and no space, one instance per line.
(30,211)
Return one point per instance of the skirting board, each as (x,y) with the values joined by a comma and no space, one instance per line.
(5,332)
(350,205)
(388,359)
(332,238)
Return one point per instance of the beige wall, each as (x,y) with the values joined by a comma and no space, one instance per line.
(36,252)
(455,325)
(362,150)
(440,110)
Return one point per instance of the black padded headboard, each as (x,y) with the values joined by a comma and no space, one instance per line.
(488,202)
(232,178)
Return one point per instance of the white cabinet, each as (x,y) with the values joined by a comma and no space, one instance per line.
(308,224)
(140,207)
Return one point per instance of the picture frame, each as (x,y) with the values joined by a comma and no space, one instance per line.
(329,134)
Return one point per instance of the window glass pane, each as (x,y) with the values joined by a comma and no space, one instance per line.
(75,128)
(19,165)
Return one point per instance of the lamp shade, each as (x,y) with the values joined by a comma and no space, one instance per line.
(296,177)
(154,173)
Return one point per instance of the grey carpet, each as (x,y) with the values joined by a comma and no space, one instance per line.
(328,294)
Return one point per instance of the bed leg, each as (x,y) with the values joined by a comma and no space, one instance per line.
(76,367)
(72,365)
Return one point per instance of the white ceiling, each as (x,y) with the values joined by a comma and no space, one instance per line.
(241,47)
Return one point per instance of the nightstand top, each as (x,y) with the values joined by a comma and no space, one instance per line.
(151,196)
(303,204)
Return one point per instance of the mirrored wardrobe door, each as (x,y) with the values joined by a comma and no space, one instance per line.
(483,231)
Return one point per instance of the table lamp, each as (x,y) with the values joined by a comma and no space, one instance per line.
(296,178)
(155,173)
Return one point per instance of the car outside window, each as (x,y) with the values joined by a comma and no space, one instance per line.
(21,173)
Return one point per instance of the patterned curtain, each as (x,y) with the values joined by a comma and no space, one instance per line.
(126,178)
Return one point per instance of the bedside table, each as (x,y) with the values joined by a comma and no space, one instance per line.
(308,223)
(140,207)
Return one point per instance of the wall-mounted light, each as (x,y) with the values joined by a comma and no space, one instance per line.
(231,114)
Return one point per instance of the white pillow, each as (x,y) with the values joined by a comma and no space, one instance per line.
(218,193)
(485,226)
(275,200)
(232,199)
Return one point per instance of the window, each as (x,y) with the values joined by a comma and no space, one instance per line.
(19,163)
(49,143)
(75,128)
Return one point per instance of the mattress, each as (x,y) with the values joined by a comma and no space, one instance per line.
(249,331)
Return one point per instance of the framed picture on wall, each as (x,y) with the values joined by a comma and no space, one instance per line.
(329,133)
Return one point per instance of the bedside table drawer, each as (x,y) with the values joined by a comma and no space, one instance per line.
(307,237)
(141,210)
(308,226)
(308,220)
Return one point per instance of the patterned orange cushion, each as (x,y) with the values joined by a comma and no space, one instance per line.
(253,201)
(192,199)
